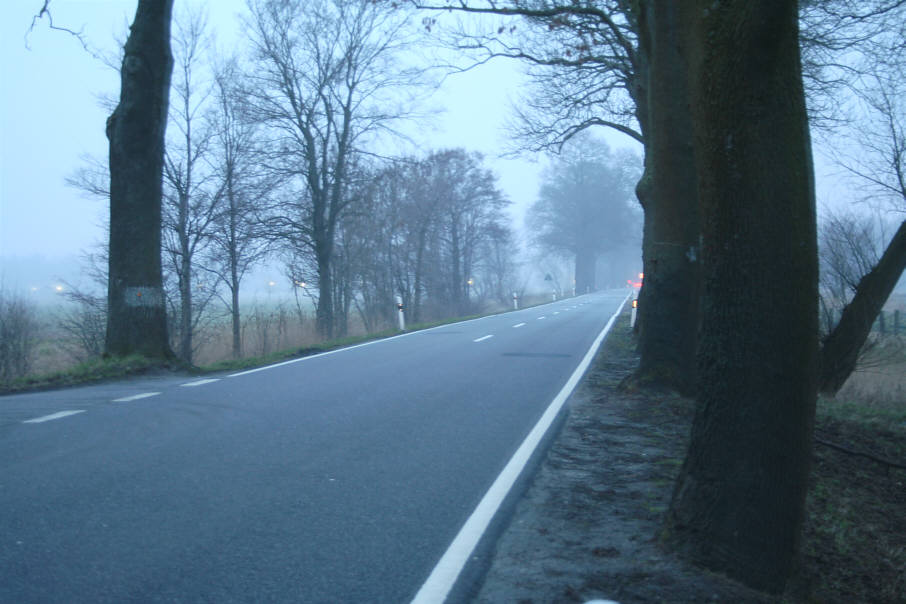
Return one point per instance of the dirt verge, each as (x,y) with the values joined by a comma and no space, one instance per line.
(587,526)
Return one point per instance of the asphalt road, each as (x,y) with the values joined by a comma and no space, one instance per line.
(338,478)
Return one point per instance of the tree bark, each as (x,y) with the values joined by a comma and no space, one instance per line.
(739,500)
(669,300)
(137,321)
(841,347)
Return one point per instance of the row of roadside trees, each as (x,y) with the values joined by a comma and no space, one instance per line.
(716,94)
(273,154)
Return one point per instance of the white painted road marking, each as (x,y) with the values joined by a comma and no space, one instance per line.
(556,312)
(199,383)
(52,416)
(518,325)
(135,397)
(339,350)
(539,318)
(481,339)
(439,583)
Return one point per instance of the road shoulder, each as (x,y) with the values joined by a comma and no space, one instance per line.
(586,527)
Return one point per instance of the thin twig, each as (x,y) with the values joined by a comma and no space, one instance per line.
(78,35)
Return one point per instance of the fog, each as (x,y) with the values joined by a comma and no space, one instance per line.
(52,115)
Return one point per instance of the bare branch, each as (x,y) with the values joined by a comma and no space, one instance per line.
(45,13)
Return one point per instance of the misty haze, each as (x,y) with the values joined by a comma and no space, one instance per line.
(452,300)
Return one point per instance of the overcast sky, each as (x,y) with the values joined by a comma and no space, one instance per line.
(51,116)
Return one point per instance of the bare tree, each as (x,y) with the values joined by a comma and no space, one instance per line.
(739,501)
(465,208)
(840,40)
(593,63)
(189,205)
(423,229)
(326,77)
(18,335)
(136,319)
(235,243)
(879,164)
(583,207)
(850,246)
(499,270)
(86,320)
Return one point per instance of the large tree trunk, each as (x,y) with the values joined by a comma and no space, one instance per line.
(137,320)
(669,300)
(840,351)
(739,500)
(417,286)
(585,271)
(324,313)
(236,319)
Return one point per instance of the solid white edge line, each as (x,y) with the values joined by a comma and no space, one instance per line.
(52,416)
(200,382)
(483,338)
(135,397)
(402,335)
(369,343)
(442,578)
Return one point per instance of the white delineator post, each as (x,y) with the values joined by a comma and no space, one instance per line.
(515,301)
(635,308)
(399,308)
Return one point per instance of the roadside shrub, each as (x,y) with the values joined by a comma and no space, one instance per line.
(84,324)
(18,336)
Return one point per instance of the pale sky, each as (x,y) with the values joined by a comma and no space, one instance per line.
(51,116)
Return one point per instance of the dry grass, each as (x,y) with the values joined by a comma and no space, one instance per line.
(855,536)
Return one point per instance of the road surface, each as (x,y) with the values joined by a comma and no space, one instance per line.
(342,477)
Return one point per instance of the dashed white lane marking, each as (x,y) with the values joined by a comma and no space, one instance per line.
(556,312)
(539,318)
(518,325)
(200,382)
(135,397)
(53,416)
(482,338)
(437,587)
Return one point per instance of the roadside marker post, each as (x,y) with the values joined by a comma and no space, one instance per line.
(635,308)
(515,301)
(402,318)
